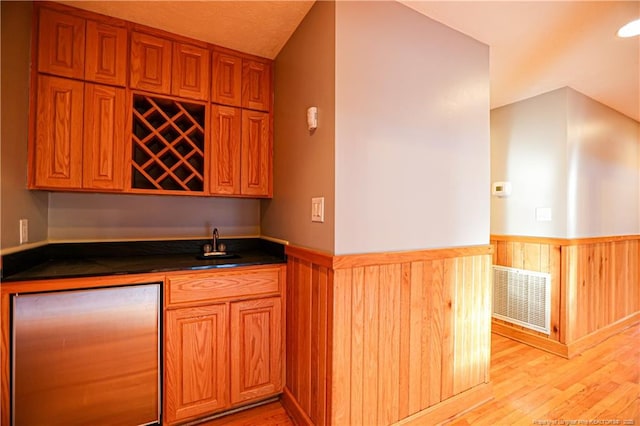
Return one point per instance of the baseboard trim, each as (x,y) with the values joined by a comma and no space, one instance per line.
(530,339)
(570,350)
(449,409)
(602,334)
(294,410)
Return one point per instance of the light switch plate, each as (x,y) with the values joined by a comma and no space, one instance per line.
(317,209)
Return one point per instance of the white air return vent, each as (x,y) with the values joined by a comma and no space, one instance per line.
(522,297)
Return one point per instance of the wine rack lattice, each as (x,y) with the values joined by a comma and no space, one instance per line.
(168,145)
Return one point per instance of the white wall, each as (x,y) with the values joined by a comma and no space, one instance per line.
(566,151)
(412,132)
(93,217)
(528,149)
(304,161)
(602,168)
(16,202)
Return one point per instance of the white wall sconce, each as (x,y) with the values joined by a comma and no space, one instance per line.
(312,118)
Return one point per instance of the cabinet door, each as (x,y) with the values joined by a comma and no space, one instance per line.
(104,123)
(256,349)
(227,78)
(58,141)
(150,63)
(256,154)
(196,362)
(190,76)
(61,44)
(225,158)
(106,54)
(256,85)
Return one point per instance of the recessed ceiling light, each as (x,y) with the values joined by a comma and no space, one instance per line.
(630,30)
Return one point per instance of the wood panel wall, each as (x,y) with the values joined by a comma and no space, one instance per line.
(391,334)
(602,283)
(595,287)
(309,290)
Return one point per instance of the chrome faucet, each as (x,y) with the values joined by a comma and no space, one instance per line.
(214,240)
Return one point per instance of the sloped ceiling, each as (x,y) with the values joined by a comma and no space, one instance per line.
(535,46)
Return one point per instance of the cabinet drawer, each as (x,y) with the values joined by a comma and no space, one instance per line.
(222,285)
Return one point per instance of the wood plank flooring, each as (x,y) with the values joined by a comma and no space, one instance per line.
(271,414)
(531,386)
(534,387)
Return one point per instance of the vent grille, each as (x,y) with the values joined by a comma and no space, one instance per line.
(522,297)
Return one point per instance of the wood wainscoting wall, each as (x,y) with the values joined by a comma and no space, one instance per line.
(595,286)
(387,338)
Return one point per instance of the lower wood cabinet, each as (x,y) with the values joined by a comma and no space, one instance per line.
(227,351)
(256,349)
(196,361)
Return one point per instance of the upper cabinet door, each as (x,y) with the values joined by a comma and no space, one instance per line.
(190,77)
(256,85)
(256,154)
(227,79)
(104,125)
(225,148)
(150,63)
(58,142)
(106,54)
(61,44)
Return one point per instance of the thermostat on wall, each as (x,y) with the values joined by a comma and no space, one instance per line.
(501,189)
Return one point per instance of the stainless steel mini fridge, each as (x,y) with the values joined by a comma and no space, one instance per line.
(87,357)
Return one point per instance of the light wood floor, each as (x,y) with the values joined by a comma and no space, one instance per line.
(271,414)
(534,387)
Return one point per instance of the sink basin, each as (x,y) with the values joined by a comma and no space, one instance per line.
(212,255)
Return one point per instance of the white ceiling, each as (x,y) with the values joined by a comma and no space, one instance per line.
(538,46)
(535,46)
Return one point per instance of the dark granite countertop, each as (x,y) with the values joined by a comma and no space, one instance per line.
(69,260)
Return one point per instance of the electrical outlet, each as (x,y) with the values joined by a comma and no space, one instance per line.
(24,231)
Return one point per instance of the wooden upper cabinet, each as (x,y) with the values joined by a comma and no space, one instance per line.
(150,63)
(256,85)
(256,154)
(58,138)
(226,83)
(100,80)
(256,348)
(61,41)
(104,140)
(196,362)
(225,149)
(106,54)
(190,76)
